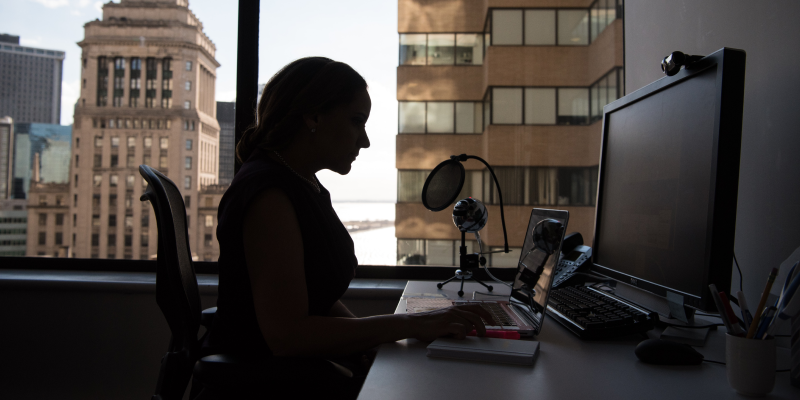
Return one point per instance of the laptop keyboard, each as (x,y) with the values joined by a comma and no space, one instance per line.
(500,315)
(591,315)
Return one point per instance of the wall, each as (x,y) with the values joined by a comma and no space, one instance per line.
(769,183)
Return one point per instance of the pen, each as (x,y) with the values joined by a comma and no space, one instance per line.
(766,318)
(721,308)
(746,316)
(737,330)
(754,326)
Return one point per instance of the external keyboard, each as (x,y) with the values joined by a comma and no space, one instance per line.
(592,314)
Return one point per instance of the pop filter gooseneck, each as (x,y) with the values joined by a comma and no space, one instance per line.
(445,183)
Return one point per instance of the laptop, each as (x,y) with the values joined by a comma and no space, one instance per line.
(524,309)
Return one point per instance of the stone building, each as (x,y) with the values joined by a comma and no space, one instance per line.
(147,97)
(49,220)
(519,83)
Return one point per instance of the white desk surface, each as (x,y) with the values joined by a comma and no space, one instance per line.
(567,368)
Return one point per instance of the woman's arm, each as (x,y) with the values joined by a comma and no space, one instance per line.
(274,255)
(340,310)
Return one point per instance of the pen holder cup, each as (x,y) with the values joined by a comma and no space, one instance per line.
(750,364)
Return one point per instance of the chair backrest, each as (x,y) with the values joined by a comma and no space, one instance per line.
(177,294)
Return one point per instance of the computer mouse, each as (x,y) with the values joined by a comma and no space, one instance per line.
(667,352)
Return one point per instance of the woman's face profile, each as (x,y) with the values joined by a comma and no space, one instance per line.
(341,133)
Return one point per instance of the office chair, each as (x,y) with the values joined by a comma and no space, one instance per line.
(216,376)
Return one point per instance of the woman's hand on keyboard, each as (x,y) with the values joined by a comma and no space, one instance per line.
(455,321)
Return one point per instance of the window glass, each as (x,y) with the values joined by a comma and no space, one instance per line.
(573,27)
(113,180)
(540,27)
(440,117)
(441,49)
(187,182)
(129,181)
(188,85)
(131,141)
(412,49)
(164,143)
(469,49)
(209,221)
(148,142)
(505,260)
(409,185)
(188,163)
(611,82)
(410,251)
(440,252)
(98,179)
(507,27)
(573,106)
(188,144)
(465,117)
(507,106)
(411,116)
(188,65)
(540,106)
(163,163)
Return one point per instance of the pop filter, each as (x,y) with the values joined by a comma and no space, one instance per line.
(443,185)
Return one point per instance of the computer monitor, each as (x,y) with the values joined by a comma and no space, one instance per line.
(668,183)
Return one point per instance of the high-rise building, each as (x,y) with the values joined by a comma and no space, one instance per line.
(49,221)
(6,157)
(226,115)
(147,97)
(520,84)
(45,147)
(13,228)
(30,84)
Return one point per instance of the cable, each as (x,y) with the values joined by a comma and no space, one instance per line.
(485,268)
(740,271)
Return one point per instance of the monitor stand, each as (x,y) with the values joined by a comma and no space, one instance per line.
(689,335)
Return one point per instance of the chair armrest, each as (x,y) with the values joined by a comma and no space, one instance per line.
(207,317)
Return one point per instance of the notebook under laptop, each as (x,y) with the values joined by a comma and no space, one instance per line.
(525,308)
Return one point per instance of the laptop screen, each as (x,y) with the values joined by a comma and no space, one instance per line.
(539,256)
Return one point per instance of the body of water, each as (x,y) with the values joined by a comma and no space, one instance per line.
(373,246)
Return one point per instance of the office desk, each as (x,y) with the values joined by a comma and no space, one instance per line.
(567,368)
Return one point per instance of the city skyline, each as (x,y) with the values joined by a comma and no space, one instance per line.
(337,31)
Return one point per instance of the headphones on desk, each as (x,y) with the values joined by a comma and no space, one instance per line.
(672,63)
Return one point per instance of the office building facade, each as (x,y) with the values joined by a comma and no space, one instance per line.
(30,85)
(147,97)
(226,115)
(45,148)
(520,84)
(6,157)
(13,228)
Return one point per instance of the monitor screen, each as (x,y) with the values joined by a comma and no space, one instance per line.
(668,167)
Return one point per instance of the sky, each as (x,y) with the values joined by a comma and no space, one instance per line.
(362,33)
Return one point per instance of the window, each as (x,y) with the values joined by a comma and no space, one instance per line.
(540,27)
(441,49)
(112,242)
(129,221)
(188,65)
(207,240)
(59,238)
(128,240)
(95,239)
(114,141)
(148,142)
(573,27)
(507,106)
(113,180)
(188,163)
(131,142)
(98,179)
(74,220)
(412,49)
(59,219)
(209,221)
(112,220)
(188,85)
(164,143)
(42,219)
(145,220)
(573,106)
(96,200)
(188,144)
(98,141)
(131,161)
(469,49)
(506,27)
(187,182)
(162,162)
(411,117)
(540,106)
(114,160)
(209,201)
(187,201)
(145,240)
(146,159)
(42,200)
(77,161)
(187,104)
(129,181)
(42,238)
(440,117)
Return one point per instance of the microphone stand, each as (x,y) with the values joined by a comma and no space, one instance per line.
(469,263)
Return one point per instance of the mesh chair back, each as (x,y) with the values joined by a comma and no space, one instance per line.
(176,284)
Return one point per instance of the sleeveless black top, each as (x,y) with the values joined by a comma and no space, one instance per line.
(328,253)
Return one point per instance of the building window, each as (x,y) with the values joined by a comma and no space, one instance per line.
(150,82)
(441,49)
(112,220)
(164,143)
(540,106)
(188,144)
(146,159)
(128,240)
(188,85)
(209,201)
(98,141)
(136,82)
(188,163)
(42,238)
(59,219)
(129,181)
(148,142)
(166,83)
(187,182)
(95,239)
(207,239)
(98,160)
(95,220)
(506,27)
(129,221)
(573,106)
(145,220)
(96,200)
(74,220)
(573,27)
(114,160)
(77,161)
(98,179)
(113,180)
(162,162)
(209,221)
(187,104)
(187,201)
(131,142)
(42,219)
(112,242)
(131,161)
(440,117)
(145,240)
(59,238)
(540,27)
(188,65)
(102,81)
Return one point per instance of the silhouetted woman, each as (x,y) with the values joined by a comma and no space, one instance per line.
(285,258)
